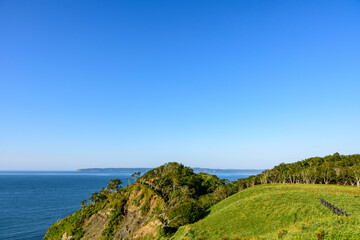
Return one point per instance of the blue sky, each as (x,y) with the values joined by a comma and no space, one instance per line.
(220,84)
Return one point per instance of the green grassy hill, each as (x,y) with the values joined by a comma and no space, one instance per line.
(280,211)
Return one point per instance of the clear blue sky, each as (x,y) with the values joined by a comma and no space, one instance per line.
(220,84)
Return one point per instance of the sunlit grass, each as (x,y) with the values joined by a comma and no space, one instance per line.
(280,211)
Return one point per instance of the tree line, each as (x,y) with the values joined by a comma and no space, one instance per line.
(333,169)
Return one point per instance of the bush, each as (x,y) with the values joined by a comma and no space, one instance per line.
(185,213)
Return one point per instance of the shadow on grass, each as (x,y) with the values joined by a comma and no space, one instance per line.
(168,231)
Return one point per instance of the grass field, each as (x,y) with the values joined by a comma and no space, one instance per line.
(280,211)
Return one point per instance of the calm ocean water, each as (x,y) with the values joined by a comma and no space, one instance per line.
(30,202)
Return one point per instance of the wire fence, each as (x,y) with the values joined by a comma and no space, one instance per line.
(334,209)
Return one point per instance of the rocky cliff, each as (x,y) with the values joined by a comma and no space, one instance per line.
(155,206)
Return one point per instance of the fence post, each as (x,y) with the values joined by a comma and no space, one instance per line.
(334,209)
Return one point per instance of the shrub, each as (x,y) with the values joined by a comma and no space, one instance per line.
(185,213)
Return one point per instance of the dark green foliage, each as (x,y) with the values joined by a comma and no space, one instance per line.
(177,183)
(185,213)
(156,210)
(167,231)
(98,196)
(83,204)
(77,233)
(136,202)
(332,169)
(102,196)
(220,193)
(187,195)
(136,176)
(144,209)
(114,185)
(210,182)
(115,220)
(94,197)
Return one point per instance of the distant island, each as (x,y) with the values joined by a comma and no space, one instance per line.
(143,170)
(95,170)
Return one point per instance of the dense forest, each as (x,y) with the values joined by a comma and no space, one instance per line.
(333,169)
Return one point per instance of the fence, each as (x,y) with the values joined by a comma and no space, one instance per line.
(333,208)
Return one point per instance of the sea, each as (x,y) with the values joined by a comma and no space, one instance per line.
(31,201)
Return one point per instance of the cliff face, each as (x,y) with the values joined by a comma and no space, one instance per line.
(132,215)
(155,206)
(141,217)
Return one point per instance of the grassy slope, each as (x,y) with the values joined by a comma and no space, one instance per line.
(286,211)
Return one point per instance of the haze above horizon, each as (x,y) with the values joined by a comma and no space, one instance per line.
(214,84)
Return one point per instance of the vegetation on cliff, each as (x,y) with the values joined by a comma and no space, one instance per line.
(156,205)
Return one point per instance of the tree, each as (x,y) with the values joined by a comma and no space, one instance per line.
(114,185)
(136,176)
(326,172)
(356,173)
(83,203)
(94,197)
(264,177)
(338,172)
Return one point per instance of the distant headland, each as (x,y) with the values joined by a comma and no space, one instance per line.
(143,170)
